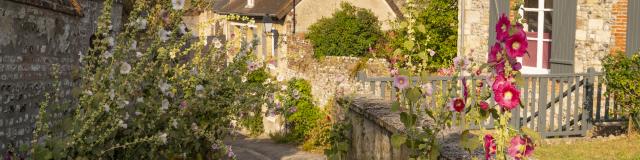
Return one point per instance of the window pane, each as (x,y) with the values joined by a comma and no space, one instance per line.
(531,3)
(531,19)
(548,21)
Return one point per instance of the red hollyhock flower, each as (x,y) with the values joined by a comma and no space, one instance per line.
(520,147)
(457,105)
(489,146)
(517,44)
(484,105)
(493,55)
(502,28)
(507,95)
(500,80)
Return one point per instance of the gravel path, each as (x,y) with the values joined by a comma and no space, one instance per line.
(265,149)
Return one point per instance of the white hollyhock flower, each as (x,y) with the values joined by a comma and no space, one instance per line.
(140,99)
(134,45)
(177,4)
(142,23)
(182,28)
(137,113)
(106,108)
(138,54)
(125,68)
(111,41)
(164,35)
(163,138)
(112,94)
(164,87)
(165,105)
(174,123)
(199,88)
(107,54)
(217,44)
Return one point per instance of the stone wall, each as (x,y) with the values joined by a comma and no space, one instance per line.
(32,39)
(475,29)
(373,123)
(329,76)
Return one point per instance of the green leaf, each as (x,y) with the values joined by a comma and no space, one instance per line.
(468,142)
(434,153)
(395,106)
(403,24)
(424,76)
(397,140)
(407,119)
(494,113)
(535,136)
(520,81)
(343,146)
(409,45)
(421,28)
(413,94)
(423,55)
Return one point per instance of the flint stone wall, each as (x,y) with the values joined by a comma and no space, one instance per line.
(34,35)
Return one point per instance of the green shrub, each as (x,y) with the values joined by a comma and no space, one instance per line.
(351,31)
(301,115)
(429,25)
(621,75)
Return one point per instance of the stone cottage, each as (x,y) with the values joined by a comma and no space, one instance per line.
(34,35)
(565,36)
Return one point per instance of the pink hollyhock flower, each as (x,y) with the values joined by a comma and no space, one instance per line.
(431,52)
(520,147)
(489,146)
(183,104)
(456,104)
(507,96)
(428,89)
(500,80)
(393,72)
(484,106)
(494,56)
(401,82)
(251,66)
(502,28)
(517,44)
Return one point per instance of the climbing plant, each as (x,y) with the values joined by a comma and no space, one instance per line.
(621,76)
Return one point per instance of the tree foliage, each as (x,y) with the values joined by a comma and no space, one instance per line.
(621,76)
(351,31)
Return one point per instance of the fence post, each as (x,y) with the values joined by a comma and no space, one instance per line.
(588,99)
(542,106)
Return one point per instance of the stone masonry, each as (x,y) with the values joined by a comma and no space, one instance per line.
(34,35)
(600,30)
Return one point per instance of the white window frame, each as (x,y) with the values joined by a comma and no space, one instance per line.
(539,69)
(250,4)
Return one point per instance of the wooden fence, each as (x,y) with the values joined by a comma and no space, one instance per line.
(555,105)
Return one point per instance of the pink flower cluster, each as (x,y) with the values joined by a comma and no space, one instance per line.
(511,44)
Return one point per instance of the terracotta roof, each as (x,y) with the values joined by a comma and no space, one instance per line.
(274,8)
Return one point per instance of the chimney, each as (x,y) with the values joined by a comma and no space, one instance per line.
(250,4)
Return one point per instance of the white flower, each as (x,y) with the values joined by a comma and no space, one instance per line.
(112,94)
(165,105)
(125,68)
(138,54)
(174,123)
(106,108)
(107,54)
(134,45)
(88,92)
(140,99)
(142,23)
(122,124)
(177,4)
(431,52)
(163,138)
(164,87)
(199,88)
(164,35)
(126,116)
(217,43)
(111,41)
(182,28)
(137,113)
(81,57)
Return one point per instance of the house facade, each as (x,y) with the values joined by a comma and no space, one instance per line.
(565,36)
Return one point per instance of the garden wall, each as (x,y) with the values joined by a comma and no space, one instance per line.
(34,34)
(373,124)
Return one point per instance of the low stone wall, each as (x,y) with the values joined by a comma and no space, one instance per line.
(373,124)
